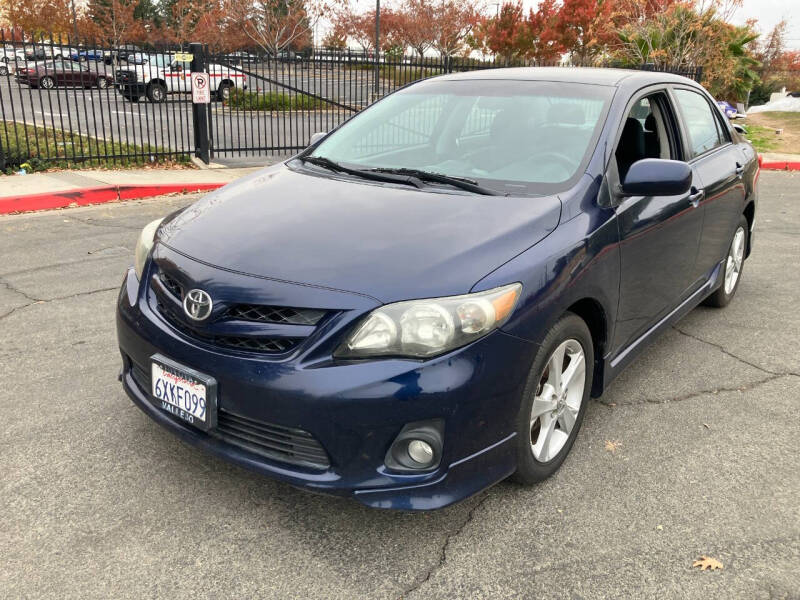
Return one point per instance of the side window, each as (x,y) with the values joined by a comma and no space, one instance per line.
(701,124)
(646,133)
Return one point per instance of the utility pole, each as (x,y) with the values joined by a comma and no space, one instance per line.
(377,46)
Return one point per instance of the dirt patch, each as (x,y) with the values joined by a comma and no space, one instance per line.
(789,140)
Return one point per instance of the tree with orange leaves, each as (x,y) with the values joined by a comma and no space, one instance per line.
(513,35)
(585,28)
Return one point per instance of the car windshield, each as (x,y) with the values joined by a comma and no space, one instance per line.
(515,137)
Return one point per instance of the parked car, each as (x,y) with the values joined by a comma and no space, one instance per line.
(155,83)
(422,302)
(728,109)
(12,55)
(121,54)
(62,74)
(88,56)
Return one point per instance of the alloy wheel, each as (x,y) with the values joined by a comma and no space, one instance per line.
(735,259)
(47,83)
(558,400)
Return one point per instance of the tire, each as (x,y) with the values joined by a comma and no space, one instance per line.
(3,70)
(224,91)
(156,92)
(732,271)
(539,457)
(102,83)
(47,83)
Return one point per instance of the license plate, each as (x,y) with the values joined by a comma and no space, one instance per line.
(184,392)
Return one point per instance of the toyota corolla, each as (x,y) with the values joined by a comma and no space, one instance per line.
(422,303)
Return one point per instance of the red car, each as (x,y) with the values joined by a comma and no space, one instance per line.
(61,73)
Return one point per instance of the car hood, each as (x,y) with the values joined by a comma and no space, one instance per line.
(386,241)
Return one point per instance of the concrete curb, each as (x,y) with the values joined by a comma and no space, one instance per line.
(96,195)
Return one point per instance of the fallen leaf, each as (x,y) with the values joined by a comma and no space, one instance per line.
(612,403)
(660,527)
(706,562)
(706,425)
(613,446)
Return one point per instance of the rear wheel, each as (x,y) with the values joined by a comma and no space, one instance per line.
(102,83)
(732,271)
(554,400)
(3,69)
(47,83)
(156,92)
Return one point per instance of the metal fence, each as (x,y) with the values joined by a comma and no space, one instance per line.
(66,103)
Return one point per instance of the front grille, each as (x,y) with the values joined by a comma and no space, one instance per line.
(250,341)
(267,345)
(276,442)
(125,76)
(275,314)
(172,285)
(285,444)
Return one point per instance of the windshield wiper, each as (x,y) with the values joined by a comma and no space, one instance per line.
(327,163)
(463,183)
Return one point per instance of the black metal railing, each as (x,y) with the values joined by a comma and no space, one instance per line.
(68,102)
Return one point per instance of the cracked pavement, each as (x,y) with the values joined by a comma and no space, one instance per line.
(100,502)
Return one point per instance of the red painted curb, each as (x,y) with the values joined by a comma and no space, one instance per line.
(781,166)
(96,195)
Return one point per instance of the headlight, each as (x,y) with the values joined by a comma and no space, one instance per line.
(423,328)
(144,245)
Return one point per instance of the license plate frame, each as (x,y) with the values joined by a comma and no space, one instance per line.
(193,378)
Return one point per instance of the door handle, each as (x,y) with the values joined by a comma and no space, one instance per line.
(696,196)
(739,170)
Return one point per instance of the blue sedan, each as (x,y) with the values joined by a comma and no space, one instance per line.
(88,55)
(423,302)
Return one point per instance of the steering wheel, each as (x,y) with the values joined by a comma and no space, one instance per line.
(565,162)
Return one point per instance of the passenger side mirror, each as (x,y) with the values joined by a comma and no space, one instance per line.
(657,177)
(739,129)
(317,137)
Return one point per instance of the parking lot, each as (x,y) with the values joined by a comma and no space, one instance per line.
(106,115)
(693,451)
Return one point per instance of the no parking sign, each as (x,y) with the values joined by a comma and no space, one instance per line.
(201,91)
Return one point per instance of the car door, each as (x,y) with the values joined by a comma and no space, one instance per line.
(65,74)
(659,235)
(720,167)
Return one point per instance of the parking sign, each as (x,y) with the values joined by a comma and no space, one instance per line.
(201,92)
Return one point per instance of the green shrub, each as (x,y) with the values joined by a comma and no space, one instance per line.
(277,101)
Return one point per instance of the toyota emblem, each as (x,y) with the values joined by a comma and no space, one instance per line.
(197,305)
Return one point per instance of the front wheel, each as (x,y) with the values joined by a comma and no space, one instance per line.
(3,70)
(102,83)
(156,92)
(47,83)
(732,273)
(224,92)
(554,400)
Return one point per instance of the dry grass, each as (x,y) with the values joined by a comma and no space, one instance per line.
(761,131)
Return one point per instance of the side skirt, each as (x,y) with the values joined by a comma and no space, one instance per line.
(614,366)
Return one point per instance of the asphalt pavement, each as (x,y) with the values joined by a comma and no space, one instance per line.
(693,451)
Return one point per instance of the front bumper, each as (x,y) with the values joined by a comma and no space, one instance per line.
(354,409)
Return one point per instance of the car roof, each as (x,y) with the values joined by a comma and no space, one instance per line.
(591,75)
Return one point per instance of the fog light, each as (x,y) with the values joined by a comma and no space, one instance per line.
(420,452)
(418,447)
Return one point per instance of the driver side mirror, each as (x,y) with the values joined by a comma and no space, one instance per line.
(657,177)
(317,137)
